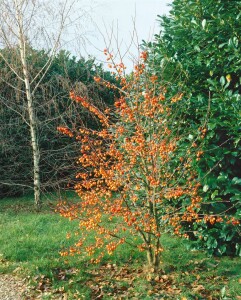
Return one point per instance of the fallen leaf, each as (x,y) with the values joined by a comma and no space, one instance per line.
(198,288)
(65,296)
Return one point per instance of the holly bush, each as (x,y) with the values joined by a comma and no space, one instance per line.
(198,51)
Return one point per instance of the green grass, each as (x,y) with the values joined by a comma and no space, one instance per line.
(30,242)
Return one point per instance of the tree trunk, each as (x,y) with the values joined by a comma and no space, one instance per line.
(154,255)
(31,114)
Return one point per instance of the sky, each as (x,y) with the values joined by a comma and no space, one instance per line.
(119,25)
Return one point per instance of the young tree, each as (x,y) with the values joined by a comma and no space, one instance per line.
(137,172)
(24,22)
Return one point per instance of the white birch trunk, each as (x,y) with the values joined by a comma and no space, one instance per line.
(31,114)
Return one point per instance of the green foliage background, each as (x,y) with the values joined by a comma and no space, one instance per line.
(198,52)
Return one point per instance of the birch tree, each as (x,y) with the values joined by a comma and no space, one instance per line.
(53,108)
(24,23)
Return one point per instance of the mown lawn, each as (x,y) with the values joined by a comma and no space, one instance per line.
(30,242)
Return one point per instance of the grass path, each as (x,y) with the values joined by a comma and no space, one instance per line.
(29,247)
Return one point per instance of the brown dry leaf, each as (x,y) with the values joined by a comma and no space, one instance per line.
(198,288)
(148,277)
(65,296)
(174,290)
(109,266)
